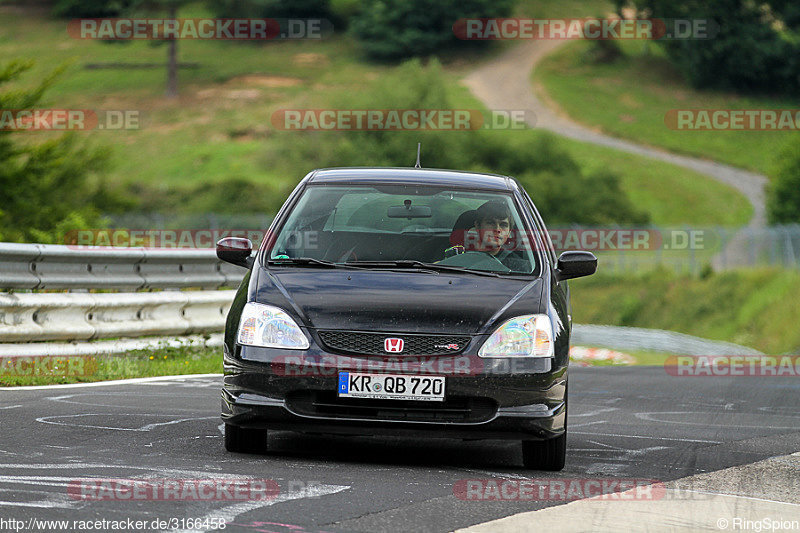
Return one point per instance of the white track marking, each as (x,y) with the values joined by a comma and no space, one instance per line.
(45,504)
(72,399)
(651,417)
(596,412)
(501,475)
(608,469)
(645,437)
(148,427)
(588,424)
(230,512)
(608,446)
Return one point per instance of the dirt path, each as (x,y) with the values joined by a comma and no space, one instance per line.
(504,83)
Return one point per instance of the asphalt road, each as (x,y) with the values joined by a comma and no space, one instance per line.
(624,423)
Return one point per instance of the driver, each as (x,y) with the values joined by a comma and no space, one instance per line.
(489,235)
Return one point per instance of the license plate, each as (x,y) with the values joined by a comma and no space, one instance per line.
(391,386)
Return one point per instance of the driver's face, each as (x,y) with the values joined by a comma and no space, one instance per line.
(493,233)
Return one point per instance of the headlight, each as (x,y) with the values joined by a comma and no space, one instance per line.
(270,327)
(522,336)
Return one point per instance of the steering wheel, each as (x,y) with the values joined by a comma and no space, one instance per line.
(476,260)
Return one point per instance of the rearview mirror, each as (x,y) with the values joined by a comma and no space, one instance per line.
(575,264)
(408,211)
(236,251)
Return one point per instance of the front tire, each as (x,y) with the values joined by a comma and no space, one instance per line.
(245,440)
(549,455)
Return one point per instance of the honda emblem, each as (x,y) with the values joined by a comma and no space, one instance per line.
(393,345)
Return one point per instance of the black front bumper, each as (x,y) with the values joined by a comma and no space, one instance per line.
(484,398)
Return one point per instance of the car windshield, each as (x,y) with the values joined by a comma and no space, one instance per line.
(405,226)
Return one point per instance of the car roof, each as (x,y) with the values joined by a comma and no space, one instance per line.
(412,176)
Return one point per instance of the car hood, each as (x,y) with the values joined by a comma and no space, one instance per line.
(391,301)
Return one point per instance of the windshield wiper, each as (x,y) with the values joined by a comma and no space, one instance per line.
(411,263)
(311,261)
(302,261)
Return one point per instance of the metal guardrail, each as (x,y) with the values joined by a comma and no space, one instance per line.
(26,317)
(48,266)
(79,349)
(32,317)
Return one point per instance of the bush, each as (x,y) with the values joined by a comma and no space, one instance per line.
(270,8)
(390,30)
(783,196)
(573,198)
(234,196)
(603,51)
(549,174)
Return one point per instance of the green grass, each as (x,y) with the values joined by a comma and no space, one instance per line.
(630,97)
(219,128)
(167,361)
(759,308)
(670,194)
(647,358)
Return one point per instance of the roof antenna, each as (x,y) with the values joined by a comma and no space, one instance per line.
(419,147)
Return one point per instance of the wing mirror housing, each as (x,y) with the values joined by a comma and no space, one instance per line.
(236,251)
(575,264)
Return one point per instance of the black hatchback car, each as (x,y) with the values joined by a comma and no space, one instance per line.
(402,301)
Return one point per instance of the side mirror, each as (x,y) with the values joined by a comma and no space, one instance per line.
(236,251)
(575,264)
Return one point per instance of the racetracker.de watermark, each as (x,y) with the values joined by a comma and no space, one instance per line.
(69,119)
(733,119)
(401,119)
(558,489)
(481,29)
(733,365)
(244,29)
(409,364)
(173,489)
(591,239)
(158,238)
(32,366)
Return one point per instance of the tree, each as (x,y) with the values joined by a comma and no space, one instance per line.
(46,189)
(154,9)
(90,8)
(390,30)
(133,9)
(756,48)
(270,8)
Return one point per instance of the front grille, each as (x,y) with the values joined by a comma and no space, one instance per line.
(355,342)
(328,404)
